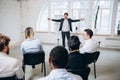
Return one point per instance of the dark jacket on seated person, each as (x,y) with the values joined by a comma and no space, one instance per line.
(80,61)
(76,61)
(78,64)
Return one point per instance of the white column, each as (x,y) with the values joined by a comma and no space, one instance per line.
(114,14)
(90,11)
(69,8)
(22,20)
(49,15)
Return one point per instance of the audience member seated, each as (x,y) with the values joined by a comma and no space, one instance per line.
(30,45)
(8,66)
(58,60)
(90,45)
(77,62)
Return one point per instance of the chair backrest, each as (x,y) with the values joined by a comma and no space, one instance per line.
(91,57)
(34,58)
(9,78)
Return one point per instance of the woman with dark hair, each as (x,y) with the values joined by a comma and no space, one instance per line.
(77,63)
(30,44)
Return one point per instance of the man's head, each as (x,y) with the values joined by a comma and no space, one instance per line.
(88,33)
(74,43)
(4,43)
(58,57)
(65,15)
(29,32)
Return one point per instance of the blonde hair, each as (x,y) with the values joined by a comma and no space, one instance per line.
(29,32)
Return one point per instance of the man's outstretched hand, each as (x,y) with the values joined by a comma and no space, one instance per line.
(49,18)
(81,19)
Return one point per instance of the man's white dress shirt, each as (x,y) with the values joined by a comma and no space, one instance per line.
(61,74)
(9,67)
(89,46)
(65,27)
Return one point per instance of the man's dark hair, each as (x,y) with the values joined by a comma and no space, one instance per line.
(89,32)
(66,13)
(59,57)
(4,41)
(74,43)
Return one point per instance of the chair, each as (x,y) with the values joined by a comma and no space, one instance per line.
(92,59)
(34,59)
(89,58)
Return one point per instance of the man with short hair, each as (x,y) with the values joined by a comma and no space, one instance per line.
(90,45)
(58,60)
(8,66)
(65,26)
(77,62)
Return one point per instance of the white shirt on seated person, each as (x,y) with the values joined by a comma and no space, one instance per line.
(61,74)
(58,60)
(89,46)
(9,66)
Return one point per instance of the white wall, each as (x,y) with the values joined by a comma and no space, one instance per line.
(16,15)
(10,19)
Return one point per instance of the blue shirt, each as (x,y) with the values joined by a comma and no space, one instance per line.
(31,45)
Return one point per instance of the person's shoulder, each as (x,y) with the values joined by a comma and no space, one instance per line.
(75,77)
(24,42)
(37,40)
(12,61)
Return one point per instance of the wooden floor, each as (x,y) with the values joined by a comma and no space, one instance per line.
(108,64)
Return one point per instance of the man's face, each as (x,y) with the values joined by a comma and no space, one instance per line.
(6,49)
(65,16)
(86,36)
(50,63)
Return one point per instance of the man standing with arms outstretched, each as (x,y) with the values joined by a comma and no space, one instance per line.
(65,26)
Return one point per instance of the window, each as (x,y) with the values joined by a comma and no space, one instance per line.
(43,22)
(117,27)
(77,9)
(104,16)
(58,8)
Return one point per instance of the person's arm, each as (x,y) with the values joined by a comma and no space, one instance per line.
(19,71)
(22,49)
(89,47)
(56,20)
(85,48)
(77,20)
(40,46)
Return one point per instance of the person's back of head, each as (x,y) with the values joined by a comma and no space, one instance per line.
(74,43)
(4,41)
(89,32)
(58,57)
(29,32)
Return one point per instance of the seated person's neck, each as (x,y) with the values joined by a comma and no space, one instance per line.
(74,50)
